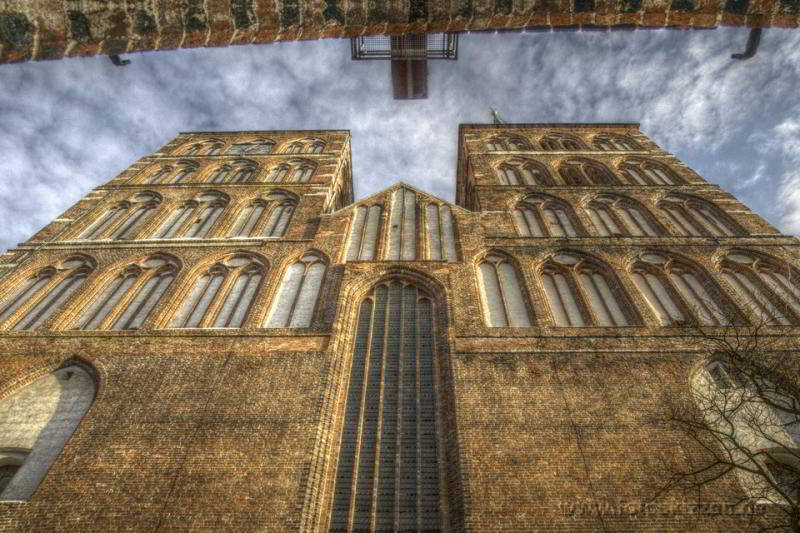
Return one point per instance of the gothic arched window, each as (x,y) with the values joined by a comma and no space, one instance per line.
(561,142)
(583,172)
(294,148)
(388,472)
(301,171)
(614,141)
(160,175)
(183,171)
(613,215)
(523,172)
(502,293)
(268,217)
(680,293)
(123,220)
(296,299)
(256,147)
(220,174)
(278,173)
(243,172)
(364,233)
(316,147)
(223,296)
(763,285)
(508,143)
(582,291)
(539,215)
(42,294)
(195,218)
(640,171)
(130,297)
(36,422)
(440,233)
(496,144)
(694,216)
(402,226)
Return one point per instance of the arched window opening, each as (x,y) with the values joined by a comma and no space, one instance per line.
(160,175)
(518,143)
(523,172)
(109,219)
(388,472)
(583,292)
(543,216)
(613,142)
(245,172)
(278,173)
(195,218)
(315,148)
(364,233)
(680,294)
(502,293)
(646,172)
(496,144)
(42,294)
(584,172)
(440,233)
(130,297)
(36,422)
(696,217)
(182,173)
(220,175)
(765,287)
(297,296)
(302,174)
(402,226)
(215,149)
(561,142)
(614,215)
(194,149)
(267,217)
(294,148)
(223,297)
(257,147)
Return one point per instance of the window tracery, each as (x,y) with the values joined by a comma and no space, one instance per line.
(256,147)
(181,172)
(224,295)
(523,172)
(505,143)
(694,216)
(765,287)
(402,229)
(123,220)
(42,294)
(440,233)
(298,292)
(679,293)
(365,233)
(615,141)
(582,291)
(613,215)
(267,217)
(502,292)
(561,142)
(585,172)
(640,171)
(538,215)
(298,170)
(130,297)
(195,218)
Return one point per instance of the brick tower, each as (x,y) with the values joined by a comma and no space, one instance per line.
(220,339)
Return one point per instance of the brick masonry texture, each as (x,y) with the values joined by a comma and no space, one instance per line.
(52,29)
(238,429)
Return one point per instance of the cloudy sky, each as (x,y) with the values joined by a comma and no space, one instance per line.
(67,126)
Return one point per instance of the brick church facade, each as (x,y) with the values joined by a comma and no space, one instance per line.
(221,339)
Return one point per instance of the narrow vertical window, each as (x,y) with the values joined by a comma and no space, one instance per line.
(220,175)
(543,216)
(244,174)
(640,171)
(519,171)
(402,226)
(388,474)
(441,241)
(761,282)
(224,295)
(195,218)
(617,215)
(183,172)
(504,303)
(109,218)
(584,172)
(296,300)
(143,207)
(364,233)
(278,174)
(694,216)
(265,217)
(41,295)
(129,298)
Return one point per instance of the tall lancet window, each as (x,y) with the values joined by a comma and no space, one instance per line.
(278,173)
(765,286)
(130,297)
(561,142)
(388,471)
(36,422)
(223,296)
(695,216)
(539,215)
(519,171)
(182,173)
(364,233)
(640,171)
(220,174)
(584,172)
(267,217)
(298,292)
(195,218)
(582,291)
(42,294)
(440,233)
(502,292)
(614,141)
(257,147)
(243,172)
(614,215)
(301,171)
(402,226)
(125,219)
(679,293)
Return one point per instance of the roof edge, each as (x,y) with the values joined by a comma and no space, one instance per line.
(552,125)
(261,131)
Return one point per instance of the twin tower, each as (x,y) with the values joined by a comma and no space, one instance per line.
(220,339)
